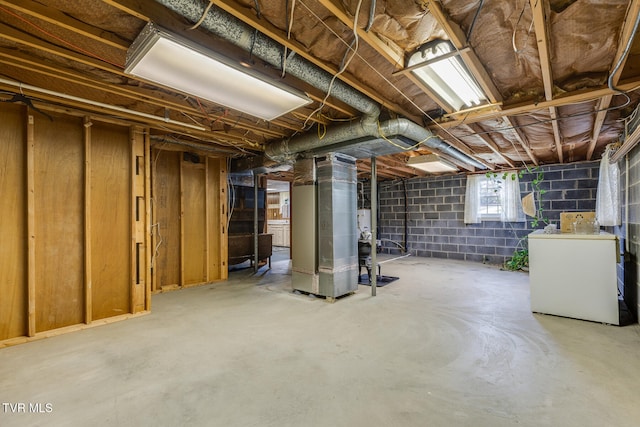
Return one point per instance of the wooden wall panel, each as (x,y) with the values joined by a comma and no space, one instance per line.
(111,221)
(13,226)
(217,208)
(194,223)
(166,218)
(59,222)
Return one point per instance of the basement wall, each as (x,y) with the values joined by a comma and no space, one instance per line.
(435,212)
(631,284)
(88,230)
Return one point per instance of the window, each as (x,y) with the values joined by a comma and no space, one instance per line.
(492,199)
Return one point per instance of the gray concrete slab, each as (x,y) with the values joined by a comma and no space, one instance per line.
(448,344)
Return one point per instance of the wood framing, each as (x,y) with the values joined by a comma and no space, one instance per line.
(75,197)
(189,219)
(540,10)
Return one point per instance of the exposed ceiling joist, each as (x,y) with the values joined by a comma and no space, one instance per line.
(459,40)
(605,102)
(22,38)
(489,142)
(394,56)
(566,98)
(248,17)
(521,138)
(391,55)
(540,10)
(60,19)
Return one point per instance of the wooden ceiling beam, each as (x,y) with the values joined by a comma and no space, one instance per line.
(56,17)
(394,56)
(521,138)
(567,98)
(540,10)
(459,40)
(26,39)
(480,133)
(605,102)
(249,18)
(138,95)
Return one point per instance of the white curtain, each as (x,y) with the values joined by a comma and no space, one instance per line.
(608,193)
(510,199)
(511,204)
(472,200)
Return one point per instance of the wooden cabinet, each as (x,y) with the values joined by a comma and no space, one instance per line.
(280,231)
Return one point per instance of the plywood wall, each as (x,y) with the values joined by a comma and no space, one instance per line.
(189,220)
(74,245)
(218,240)
(194,224)
(165,174)
(58,159)
(13,224)
(110,204)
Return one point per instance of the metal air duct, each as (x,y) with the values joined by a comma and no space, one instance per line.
(362,138)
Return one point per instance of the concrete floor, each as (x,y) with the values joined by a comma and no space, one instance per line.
(449,344)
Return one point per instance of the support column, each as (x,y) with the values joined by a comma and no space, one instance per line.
(256,181)
(374,226)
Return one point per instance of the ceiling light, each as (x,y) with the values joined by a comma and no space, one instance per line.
(431,163)
(172,61)
(446,74)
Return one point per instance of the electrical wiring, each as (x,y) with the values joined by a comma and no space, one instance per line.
(289,26)
(156,250)
(204,15)
(515,28)
(400,146)
(475,18)
(627,48)
(538,122)
(386,80)
(60,39)
(232,195)
(344,66)
(372,12)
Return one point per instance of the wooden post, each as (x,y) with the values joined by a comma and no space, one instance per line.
(181,169)
(31,226)
(224,209)
(148,219)
(87,222)
(207,220)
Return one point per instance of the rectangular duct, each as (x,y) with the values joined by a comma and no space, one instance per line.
(324,226)
(337,224)
(304,253)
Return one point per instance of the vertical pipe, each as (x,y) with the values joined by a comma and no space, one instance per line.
(406,218)
(374,227)
(255,222)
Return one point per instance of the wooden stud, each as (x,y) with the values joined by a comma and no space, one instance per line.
(87,222)
(181,169)
(31,226)
(147,219)
(132,208)
(207,220)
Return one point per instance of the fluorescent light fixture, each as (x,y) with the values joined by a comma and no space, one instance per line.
(446,74)
(178,63)
(431,163)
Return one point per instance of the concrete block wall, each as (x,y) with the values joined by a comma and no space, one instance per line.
(435,211)
(631,204)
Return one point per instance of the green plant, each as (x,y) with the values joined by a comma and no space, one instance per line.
(536,186)
(518,260)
